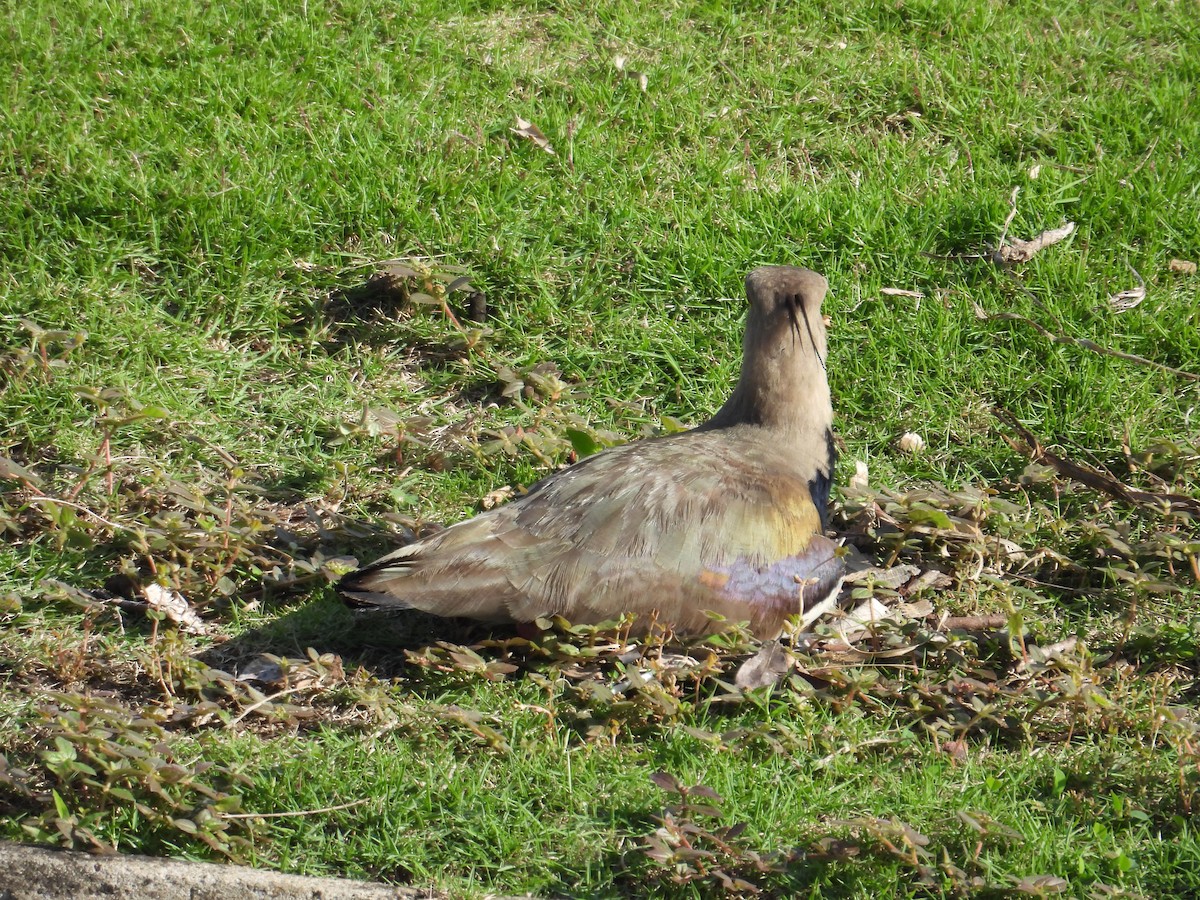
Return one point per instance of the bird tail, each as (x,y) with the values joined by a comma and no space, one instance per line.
(364,588)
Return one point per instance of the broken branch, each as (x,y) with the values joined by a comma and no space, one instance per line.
(1097,479)
(1082,343)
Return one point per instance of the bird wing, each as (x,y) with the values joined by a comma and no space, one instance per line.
(670,527)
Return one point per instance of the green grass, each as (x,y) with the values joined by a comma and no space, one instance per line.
(186,193)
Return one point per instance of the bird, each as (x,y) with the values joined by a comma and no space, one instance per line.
(690,532)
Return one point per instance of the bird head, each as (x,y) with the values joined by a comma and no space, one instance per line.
(785,313)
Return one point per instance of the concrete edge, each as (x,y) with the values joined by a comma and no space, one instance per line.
(43,873)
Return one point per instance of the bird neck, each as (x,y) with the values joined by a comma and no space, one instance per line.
(781,394)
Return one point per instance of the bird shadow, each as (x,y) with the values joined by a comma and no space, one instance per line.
(377,640)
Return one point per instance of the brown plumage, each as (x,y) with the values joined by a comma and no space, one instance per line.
(726,518)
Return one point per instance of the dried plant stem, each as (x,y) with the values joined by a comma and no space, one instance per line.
(1012,214)
(298,812)
(106,445)
(1145,157)
(1084,343)
(993,622)
(46,498)
(1095,478)
(259,704)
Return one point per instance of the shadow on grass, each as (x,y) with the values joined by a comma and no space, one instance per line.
(639,877)
(373,312)
(375,639)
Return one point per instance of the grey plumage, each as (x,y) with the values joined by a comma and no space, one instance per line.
(725,518)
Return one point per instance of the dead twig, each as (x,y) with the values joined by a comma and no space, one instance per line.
(1094,478)
(115,526)
(1082,343)
(297,812)
(993,622)
(1010,251)
(261,703)
(1145,159)
(954,257)
(1012,214)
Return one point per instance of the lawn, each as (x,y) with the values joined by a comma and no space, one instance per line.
(246,253)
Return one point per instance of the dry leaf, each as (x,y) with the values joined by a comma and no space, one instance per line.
(1130,297)
(640,77)
(528,130)
(1034,172)
(1041,885)
(918,609)
(870,610)
(764,668)
(899,292)
(859,620)
(264,669)
(859,480)
(892,578)
(494,498)
(1015,250)
(1182,267)
(930,580)
(956,750)
(10,470)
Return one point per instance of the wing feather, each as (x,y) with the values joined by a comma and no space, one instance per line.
(657,527)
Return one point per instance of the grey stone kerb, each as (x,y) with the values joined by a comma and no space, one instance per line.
(39,873)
